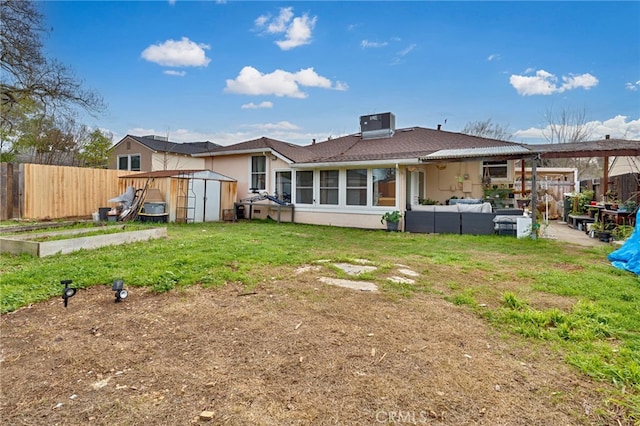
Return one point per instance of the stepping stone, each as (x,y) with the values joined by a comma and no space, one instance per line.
(409,272)
(354,269)
(401,280)
(355,285)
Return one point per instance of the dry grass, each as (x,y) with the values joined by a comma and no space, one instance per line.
(290,351)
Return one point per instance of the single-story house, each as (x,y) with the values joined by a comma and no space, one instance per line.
(353,180)
(153,152)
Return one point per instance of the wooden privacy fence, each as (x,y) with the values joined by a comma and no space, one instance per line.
(38,191)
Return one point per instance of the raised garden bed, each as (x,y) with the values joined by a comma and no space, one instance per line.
(43,244)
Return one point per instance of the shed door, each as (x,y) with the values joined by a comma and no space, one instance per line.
(196,203)
(212,201)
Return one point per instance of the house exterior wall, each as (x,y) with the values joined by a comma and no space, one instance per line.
(168,161)
(135,148)
(461,180)
(238,167)
(152,161)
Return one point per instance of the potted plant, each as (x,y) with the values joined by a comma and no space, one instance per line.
(601,231)
(392,219)
(622,232)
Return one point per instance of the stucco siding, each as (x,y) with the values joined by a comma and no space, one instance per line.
(164,161)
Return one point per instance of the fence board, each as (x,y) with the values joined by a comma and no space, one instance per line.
(61,191)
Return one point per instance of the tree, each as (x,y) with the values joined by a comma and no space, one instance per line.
(487,129)
(47,140)
(95,152)
(30,80)
(567,126)
(570,126)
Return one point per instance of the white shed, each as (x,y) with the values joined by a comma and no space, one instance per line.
(190,195)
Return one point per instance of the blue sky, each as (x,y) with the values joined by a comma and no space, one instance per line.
(231,71)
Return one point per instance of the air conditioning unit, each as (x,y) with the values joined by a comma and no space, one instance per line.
(377,122)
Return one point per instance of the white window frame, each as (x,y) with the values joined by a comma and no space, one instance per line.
(329,188)
(365,187)
(504,164)
(128,157)
(314,185)
(253,173)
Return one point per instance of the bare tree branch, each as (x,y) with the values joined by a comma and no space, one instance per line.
(487,129)
(28,75)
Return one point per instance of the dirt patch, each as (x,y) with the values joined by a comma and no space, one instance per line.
(286,352)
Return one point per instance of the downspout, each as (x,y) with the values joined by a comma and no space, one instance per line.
(534,197)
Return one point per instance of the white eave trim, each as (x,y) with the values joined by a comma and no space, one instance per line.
(235,152)
(263,151)
(486,152)
(396,162)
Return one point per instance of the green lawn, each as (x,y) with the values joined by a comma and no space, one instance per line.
(567,297)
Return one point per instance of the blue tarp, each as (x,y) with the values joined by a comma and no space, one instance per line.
(627,257)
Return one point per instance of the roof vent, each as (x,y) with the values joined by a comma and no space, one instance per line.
(377,125)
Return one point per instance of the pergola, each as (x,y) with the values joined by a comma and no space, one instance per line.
(604,148)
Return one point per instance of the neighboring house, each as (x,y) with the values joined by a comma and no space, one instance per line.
(152,153)
(353,180)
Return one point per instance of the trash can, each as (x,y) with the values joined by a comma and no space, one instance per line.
(239,211)
(102,212)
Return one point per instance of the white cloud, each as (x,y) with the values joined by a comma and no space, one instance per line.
(632,86)
(175,73)
(281,125)
(407,50)
(340,86)
(545,83)
(299,33)
(298,30)
(250,81)
(280,23)
(251,105)
(283,130)
(402,53)
(617,127)
(586,81)
(372,44)
(494,57)
(172,53)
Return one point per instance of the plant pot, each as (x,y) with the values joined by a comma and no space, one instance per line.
(604,236)
(392,226)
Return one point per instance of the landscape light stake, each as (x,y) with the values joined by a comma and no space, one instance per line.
(121,293)
(68,292)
